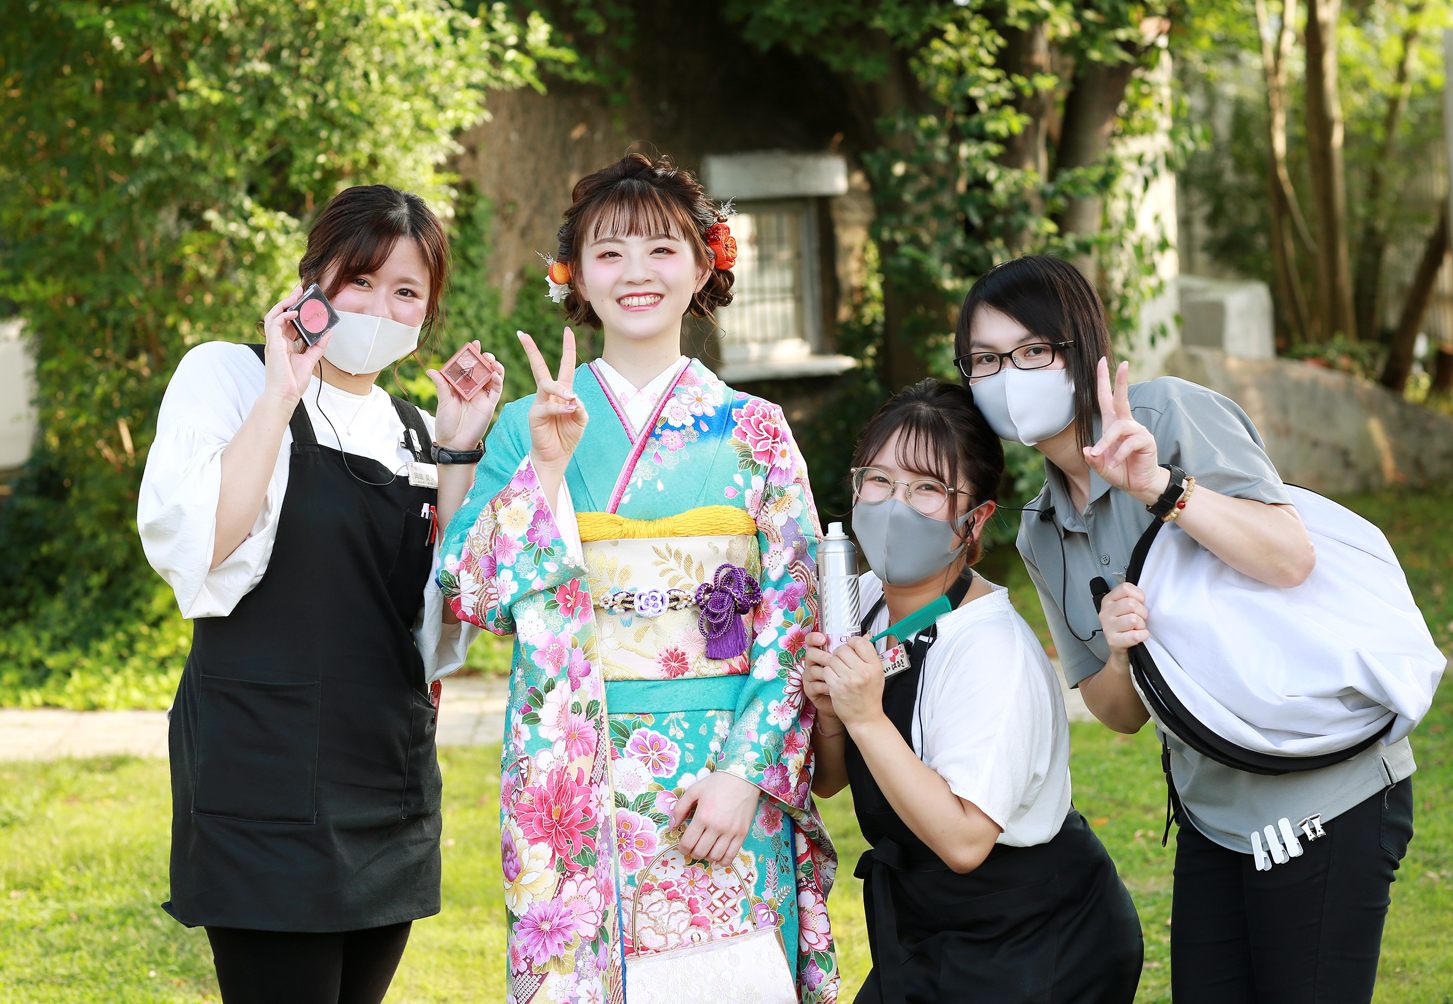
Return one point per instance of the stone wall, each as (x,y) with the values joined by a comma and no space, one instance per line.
(1326,430)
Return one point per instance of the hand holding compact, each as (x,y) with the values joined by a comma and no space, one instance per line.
(460,424)
(1123,617)
(854,675)
(1125,457)
(557,416)
(722,807)
(288,369)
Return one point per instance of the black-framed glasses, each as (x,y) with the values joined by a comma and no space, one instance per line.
(1033,356)
(926,495)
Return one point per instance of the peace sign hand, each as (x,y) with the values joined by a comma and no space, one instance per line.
(1125,456)
(557,416)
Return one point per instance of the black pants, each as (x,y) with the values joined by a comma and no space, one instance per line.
(283,967)
(1306,932)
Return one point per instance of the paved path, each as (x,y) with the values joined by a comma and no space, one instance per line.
(472,714)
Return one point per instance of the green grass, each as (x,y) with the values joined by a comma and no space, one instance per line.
(83,850)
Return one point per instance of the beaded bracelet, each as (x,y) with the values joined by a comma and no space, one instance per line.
(1175,510)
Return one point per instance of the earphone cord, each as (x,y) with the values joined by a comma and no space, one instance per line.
(1047,515)
(318,402)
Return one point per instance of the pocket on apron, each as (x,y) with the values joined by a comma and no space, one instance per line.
(257,750)
(423,785)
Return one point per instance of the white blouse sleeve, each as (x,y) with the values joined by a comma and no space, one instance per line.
(443,647)
(209,396)
(986,723)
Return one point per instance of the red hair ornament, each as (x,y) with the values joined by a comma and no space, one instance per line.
(557,276)
(719,238)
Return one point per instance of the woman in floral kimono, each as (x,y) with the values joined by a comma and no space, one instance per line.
(647,533)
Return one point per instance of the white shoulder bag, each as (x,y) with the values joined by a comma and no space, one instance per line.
(1271,680)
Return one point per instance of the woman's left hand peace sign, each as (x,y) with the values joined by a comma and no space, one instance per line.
(1125,456)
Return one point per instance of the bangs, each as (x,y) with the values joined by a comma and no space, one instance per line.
(634,208)
(925,444)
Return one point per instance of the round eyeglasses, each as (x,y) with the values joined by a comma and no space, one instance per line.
(927,496)
(1034,356)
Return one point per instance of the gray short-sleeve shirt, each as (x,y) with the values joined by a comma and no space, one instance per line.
(1211,438)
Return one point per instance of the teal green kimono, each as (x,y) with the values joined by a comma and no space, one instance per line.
(669,645)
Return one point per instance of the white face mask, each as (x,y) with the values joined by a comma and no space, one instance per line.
(1027,405)
(363,343)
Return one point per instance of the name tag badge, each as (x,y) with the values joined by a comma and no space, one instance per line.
(895,661)
(423,475)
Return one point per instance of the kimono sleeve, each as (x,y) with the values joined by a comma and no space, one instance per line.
(768,743)
(504,543)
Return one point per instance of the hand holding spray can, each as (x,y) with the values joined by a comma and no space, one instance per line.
(837,586)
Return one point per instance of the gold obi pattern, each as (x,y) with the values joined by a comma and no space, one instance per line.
(676,555)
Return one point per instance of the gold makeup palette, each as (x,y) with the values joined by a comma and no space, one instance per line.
(316,316)
(466,372)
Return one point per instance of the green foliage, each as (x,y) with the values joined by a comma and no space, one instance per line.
(158,162)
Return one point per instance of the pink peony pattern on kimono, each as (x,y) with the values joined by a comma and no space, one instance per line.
(759,426)
(658,753)
(582,896)
(505,549)
(775,779)
(544,931)
(636,840)
(813,932)
(579,736)
(770,818)
(558,812)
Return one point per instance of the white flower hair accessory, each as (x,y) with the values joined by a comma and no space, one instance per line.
(557,276)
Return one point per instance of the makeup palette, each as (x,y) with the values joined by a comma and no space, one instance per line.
(466,372)
(316,315)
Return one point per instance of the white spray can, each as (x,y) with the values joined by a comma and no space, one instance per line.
(837,586)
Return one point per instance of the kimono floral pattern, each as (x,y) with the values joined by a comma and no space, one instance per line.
(586,796)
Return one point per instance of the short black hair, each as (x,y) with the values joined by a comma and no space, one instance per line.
(1054,300)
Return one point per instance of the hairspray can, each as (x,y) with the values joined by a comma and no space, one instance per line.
(837,586)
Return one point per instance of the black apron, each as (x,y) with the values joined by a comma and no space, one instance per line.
(305,787)
(1050,924)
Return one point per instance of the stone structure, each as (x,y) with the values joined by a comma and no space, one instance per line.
(1234,315)
(17,387)
(1326,430)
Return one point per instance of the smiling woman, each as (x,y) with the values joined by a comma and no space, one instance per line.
(647,533)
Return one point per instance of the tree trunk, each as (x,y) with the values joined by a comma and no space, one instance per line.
(1329,189)
(1443,371)
(1400,354)
(1025,55)
(1285,213)
(1367,282)
(1089,124)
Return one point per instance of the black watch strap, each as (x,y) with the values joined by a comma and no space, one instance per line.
(1172,493)
(444,455)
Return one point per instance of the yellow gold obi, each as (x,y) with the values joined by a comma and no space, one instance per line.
(676,554)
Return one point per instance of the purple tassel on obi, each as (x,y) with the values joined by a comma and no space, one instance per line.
(722,603)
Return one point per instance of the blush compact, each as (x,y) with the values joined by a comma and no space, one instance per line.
(316,315)
(466,372)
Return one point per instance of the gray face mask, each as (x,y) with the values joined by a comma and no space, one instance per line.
(901,544)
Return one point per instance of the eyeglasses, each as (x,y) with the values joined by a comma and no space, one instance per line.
(1034,356)
(926,495)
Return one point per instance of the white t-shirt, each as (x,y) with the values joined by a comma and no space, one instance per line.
(990,718)
(208,398)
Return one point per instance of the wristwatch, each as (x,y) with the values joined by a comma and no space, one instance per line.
(444,455)
(1172,493)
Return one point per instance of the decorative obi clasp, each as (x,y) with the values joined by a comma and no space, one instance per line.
(646,602)
(732,593)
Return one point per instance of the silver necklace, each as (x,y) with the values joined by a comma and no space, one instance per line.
(348,425)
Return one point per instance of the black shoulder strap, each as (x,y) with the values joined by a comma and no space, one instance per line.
(1142,550)
(416,434)
(301,425)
